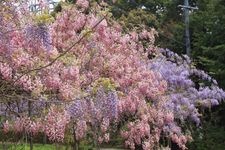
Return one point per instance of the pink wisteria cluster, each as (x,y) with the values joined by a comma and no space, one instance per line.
(54,124)
(94,77)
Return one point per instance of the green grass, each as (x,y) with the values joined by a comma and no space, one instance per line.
(26,147)
(40,147)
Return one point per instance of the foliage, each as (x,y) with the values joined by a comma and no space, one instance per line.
(208,42)
(211,137)
(83,75)
(206,26)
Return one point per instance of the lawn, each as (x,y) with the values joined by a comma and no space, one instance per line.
(39,147)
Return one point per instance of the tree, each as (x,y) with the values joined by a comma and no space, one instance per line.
(206,27)
(208,42)
(97,79)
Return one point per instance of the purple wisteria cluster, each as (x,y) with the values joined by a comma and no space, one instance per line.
(20,108)
(98,110)
(184,95)
(38,34)
(103,105)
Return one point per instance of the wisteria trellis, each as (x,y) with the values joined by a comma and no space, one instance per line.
(100,78)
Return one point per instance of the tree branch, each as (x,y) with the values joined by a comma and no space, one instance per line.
(61,55)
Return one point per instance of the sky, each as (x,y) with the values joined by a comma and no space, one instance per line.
(33,1)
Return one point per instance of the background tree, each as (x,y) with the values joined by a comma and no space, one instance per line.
(207,27)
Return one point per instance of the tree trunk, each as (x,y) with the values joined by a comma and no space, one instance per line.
(4,147)
(45,136)
(44,139)
(31,142)
(30,134)
(75,145)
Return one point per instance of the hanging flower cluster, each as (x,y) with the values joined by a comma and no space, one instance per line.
(100,78)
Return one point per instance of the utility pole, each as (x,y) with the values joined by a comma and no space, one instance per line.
(187,8)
